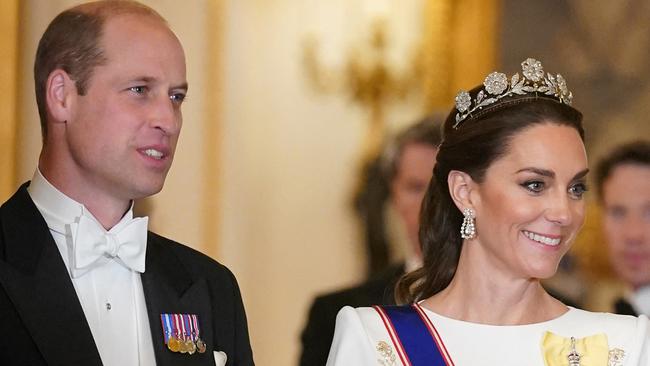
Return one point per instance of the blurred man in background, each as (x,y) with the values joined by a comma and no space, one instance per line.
(407,165)
(623,182)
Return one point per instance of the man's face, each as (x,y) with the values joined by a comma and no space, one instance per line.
(414,171)
(122,134)
(626,199)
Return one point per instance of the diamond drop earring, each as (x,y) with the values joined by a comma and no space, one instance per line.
(468,230)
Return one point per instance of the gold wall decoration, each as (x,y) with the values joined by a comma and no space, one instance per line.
(459,47)
(368,80)
(9,10)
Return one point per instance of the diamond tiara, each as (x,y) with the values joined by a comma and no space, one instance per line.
(497,87)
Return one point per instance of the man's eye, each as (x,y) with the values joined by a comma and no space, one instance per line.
(177,98)
(616,212)
(138,89)
(534,186)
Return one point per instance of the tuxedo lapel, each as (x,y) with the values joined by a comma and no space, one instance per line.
(169,288)
(621,306)
(35,278)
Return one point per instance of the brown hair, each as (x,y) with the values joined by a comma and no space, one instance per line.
(471,148)
(426,131)
(636,152)
(72,43)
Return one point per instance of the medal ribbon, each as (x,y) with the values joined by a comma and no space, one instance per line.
(167,327)
(417,341)
(177,326)
(196,326)
(187,318)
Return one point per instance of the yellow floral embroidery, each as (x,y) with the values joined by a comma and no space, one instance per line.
(386,353)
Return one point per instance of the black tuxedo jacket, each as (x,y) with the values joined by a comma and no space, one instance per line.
(41,318)
(318,333)
(621,306)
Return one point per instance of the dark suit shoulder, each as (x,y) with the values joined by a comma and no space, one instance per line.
(318,333)
(195,262)
(377,290)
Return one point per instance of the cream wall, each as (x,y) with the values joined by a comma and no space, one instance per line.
(290,156)
(265,165)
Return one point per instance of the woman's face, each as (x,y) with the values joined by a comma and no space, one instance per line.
(530,205)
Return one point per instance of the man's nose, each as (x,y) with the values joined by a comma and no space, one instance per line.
(165,115)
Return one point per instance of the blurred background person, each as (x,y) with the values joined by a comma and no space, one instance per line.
(406,165)
(623,182)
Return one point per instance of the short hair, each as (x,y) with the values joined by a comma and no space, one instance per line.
(635,152)
(426,131)
(71,43)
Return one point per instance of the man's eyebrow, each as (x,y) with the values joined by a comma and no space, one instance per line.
(150,79)
(542,172)
(182,86)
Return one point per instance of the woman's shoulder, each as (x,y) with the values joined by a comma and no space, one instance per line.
(360,338)
(364,317)
(622,331)
(607,320)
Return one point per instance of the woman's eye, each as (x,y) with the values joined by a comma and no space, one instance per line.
(534,186)
(578,190)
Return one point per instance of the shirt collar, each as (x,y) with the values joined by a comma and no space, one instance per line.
(59,209)
(640,299)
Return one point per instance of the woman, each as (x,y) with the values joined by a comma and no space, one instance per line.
(503,207)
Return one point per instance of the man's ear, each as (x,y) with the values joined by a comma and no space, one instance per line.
(461,187)
(59,93)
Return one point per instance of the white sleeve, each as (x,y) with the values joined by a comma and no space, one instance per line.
(351,345)
(640,350)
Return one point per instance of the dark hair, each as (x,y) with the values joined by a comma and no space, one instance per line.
(426,131)
(72,43)
(636,152)
(478,141)
(377,176)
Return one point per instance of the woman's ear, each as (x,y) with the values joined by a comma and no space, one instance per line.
(59,91)
(461,186)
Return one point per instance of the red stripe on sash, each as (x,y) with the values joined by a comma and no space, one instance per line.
(391,332)
(434,333)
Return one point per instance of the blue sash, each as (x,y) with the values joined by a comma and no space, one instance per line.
(416,339)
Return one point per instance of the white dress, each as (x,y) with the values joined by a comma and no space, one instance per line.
(361,338)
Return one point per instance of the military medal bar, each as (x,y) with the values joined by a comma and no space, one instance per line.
(181,333)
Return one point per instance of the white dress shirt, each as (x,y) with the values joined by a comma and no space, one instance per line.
(640,300)
(110,294)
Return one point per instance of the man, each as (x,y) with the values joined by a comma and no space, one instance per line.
(408,167)
(623,182)
(81,281)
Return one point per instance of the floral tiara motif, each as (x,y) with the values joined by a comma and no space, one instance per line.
(497,87)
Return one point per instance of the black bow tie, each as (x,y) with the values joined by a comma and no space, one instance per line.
(621,306)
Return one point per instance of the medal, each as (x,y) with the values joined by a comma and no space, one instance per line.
(181,333)
(190,346)
(200,345)
(173,344)
(189,343)
(574,357)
